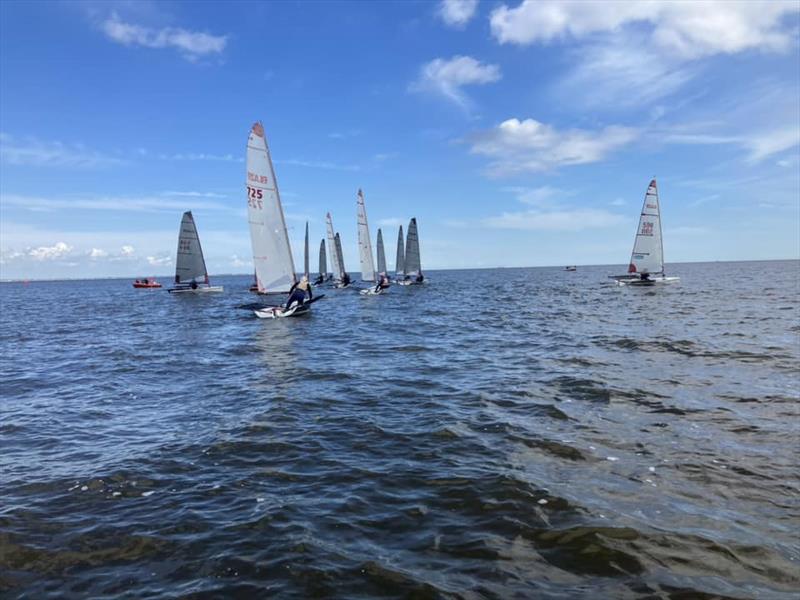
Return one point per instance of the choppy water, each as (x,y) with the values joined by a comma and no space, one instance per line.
(574,440)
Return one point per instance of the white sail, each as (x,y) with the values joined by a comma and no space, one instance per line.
(339,254)
(400,260)
(336,264)
(648,250)
(413,266)
(381,255)
(364,243)
(323,260)
(272,254)
(190,265)
(305,255)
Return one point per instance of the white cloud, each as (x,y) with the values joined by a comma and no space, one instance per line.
(127,250)
(97,253)
(530,146)
(191,194)
(768,143)
(457,13)
(237,261)
(557,220)
(59,250)
(117,204)
(201,156)
(447,77)
(691,29)
(30,151)
(540,197)
(318,164)
(159,261)
(191,44)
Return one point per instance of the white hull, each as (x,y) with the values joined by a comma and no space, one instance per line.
(636,281)
(371,292)
(197,290)
(277,312)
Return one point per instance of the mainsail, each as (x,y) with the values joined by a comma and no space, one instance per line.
(336,263)
(648,249)
(323,260)
(364,243)
(305,256)
(400,261)
(381,255)
(190,265)
(412,264)
(339,255)
(272,254)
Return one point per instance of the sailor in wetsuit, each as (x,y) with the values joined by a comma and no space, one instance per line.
(420,278)
(645,276)
(383,283)
(298,291)
(319,279)
(345,280)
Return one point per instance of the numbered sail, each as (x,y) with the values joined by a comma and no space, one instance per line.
(381,255)
(364,243)
(413,266)
(190,265)
(400,261)
(323,260)
(339,255)
(272,254)
(336,264)
(648,250)
(305,255)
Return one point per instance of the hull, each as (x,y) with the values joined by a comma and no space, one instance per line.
(371,292)
(197,290)
(637,282)
(147,286)
(278,312)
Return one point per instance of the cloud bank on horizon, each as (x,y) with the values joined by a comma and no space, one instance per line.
(532,127)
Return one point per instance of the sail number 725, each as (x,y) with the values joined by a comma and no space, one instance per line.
(254,196)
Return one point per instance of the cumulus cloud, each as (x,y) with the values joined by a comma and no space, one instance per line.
(97,253)
(447,77)
(159,261)
(30,151)
(58,250)
(557,220)
(127,251)
(691,29)
(457,13)
(191,44)
(530,146)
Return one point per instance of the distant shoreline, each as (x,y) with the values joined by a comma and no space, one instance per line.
(610,266)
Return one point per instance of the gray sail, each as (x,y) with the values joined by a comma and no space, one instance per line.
(339,255)
(305,257)
(381,255)
(323,260)
(413,266)
(400,261)
(190,265)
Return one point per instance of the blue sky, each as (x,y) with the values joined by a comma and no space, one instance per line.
(518,134)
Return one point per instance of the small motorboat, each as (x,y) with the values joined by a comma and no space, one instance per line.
(146,283)
(571,268)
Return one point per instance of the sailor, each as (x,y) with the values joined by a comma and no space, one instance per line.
(645,276)
(298,291)
(345,279)
(383,283)
(319,279)
(194,284)
(420,278)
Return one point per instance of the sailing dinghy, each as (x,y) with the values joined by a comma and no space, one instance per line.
(364,243)
(382,280)
(272,254)
(412,269)
(647,259)
(323,263)
(191,275)
(336,263)
(381,255)
(400,260)
(344,278)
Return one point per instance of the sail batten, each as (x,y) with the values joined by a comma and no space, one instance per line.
(190,266)
(412,266)
(272,254)
(336,263)
(381,255)
(364,243)
(400,260)
(648,250)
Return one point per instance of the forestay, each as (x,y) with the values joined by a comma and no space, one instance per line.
(648,250)
(272,254)
(381,255)
(336,264)
(412,265)
(323,260)
(400,261)
(364,243)
(190,265)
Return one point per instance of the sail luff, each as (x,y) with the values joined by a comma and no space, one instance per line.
(413,266)
(400,260)
(381,255)
(272,254)
(364,243)
(335,262)
(305,255)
